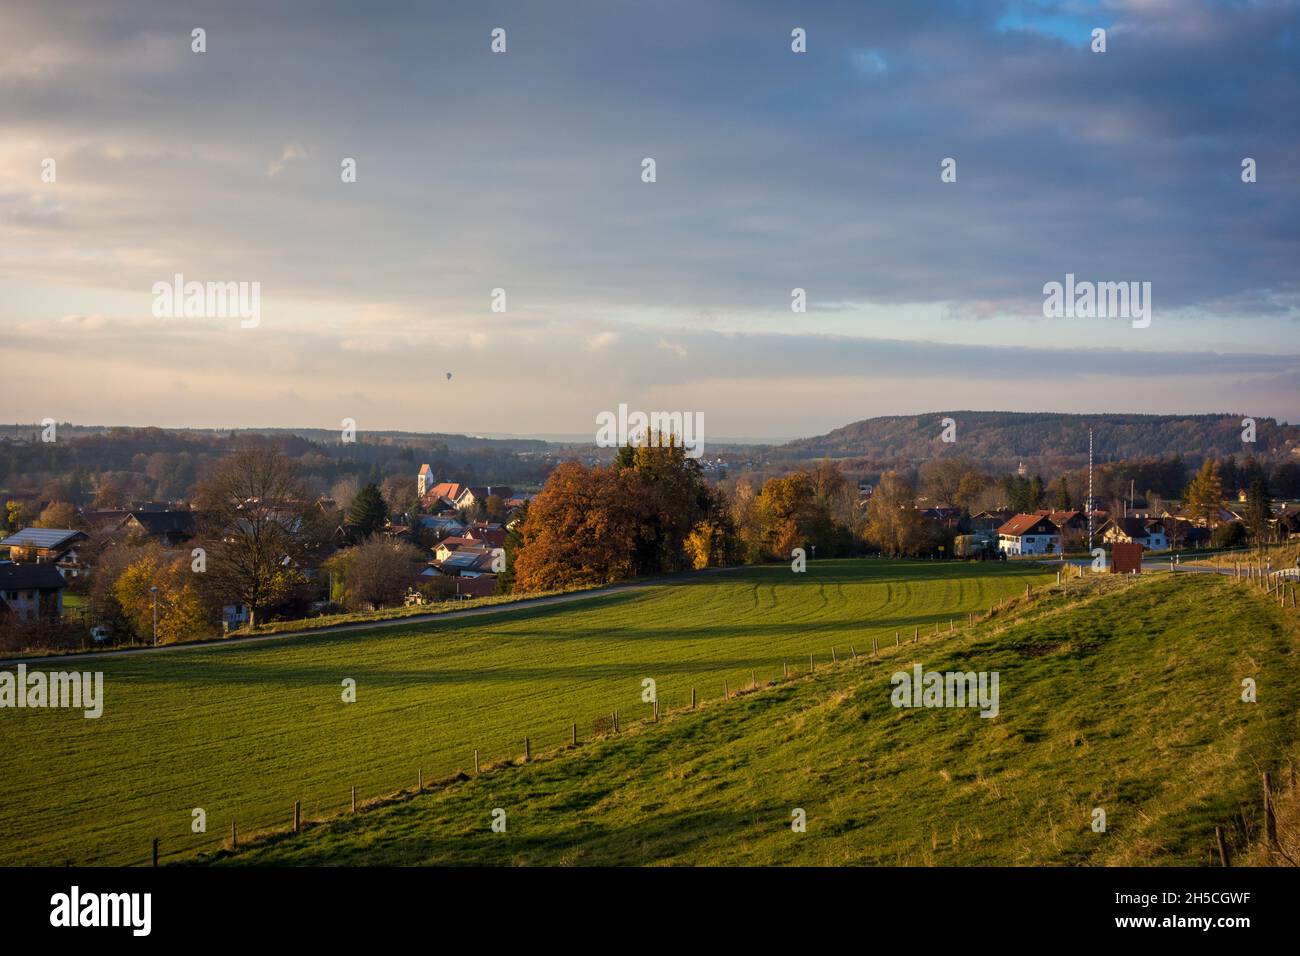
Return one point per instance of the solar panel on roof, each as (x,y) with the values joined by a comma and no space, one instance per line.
(38,538)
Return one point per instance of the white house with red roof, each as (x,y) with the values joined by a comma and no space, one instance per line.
(1029,534)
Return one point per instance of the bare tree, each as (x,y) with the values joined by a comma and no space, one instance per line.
(377,572)
(259,522)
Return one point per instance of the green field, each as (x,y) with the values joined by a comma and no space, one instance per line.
(1127,700)
(244,730)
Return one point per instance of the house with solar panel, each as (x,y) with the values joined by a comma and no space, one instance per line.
(56,546)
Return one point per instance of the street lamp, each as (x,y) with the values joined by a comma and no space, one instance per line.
(154,592)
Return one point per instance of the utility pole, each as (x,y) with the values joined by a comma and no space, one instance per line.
(154,591)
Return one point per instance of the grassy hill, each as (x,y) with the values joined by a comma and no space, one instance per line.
(242,731)
(1127,699)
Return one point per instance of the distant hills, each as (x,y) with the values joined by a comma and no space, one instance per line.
(1047,435)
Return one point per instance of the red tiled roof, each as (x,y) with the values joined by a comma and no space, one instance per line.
(1023,524)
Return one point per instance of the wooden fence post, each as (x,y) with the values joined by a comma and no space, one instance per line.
(155,851)
(297,814)
(1270,820)
(234,836)
(895,638)
(812,664)
(853,651)
(753,681)
(476,760)
(832,654)
(616,721)
(1223,846)
(354,798)
(575,733)
(692,698)
(726,691)
(528,752)
(785,669)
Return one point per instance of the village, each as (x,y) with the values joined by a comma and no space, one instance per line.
(453,543)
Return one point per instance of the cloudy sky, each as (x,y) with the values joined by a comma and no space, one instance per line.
(523,171)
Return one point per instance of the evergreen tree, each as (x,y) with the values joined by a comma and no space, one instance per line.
(1035,493)
(368,513)
(1061,495)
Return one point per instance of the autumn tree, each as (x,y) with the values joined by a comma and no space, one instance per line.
(399,493)
(633,517)
(1205,494)
(582,529)
(58,514)
(16,515)
(182,612)
(892,519)
(377,572)
(941,478)
(109,496)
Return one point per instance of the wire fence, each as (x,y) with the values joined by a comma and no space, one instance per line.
(377,784)
(180,844)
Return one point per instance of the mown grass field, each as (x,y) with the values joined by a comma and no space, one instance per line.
(1128,700)
(243,730)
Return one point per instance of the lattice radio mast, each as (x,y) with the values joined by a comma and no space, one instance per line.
(1088,506)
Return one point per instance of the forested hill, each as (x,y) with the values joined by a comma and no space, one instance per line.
(1003,435)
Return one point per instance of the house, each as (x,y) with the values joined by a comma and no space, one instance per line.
(442,496)
(449,546)
(468,563)
(56,546)
(948,517)
(31,590)
(104,520)
(489,533)
(1186,534)
(441,526)
(989,521)
(1029,534)
(1148,532)
(1285,520)
(480,493)
(168,528)
(1066,520)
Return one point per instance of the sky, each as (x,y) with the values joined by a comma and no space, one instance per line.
(523,171)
